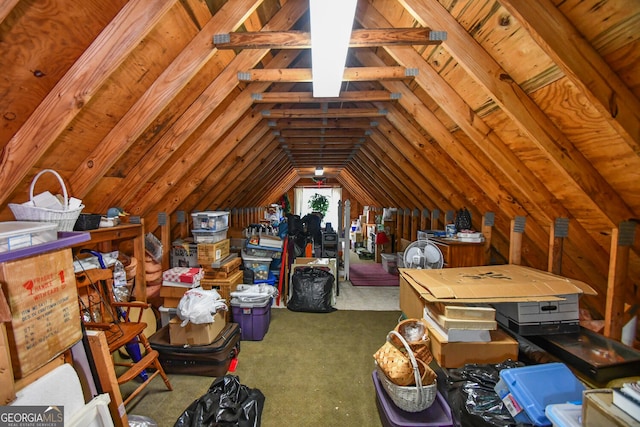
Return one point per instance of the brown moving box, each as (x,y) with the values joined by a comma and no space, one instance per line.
(195,334)
(172,295)
(42,295)
(457,354)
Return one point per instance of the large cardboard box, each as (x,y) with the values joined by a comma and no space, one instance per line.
(41,292)
(172,295)
(457,354)
(209,253)
(411,303)
(492,284)
(184,254)
(195,334)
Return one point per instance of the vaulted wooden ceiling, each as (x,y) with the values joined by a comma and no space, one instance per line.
(520,108)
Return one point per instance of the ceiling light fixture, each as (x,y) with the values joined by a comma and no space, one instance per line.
(319,171)
(331,25)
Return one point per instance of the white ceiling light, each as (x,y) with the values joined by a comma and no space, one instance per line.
(331,25)
(319,171)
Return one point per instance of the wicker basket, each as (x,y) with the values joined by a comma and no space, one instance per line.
(413,398)
(65,218)
(415,332)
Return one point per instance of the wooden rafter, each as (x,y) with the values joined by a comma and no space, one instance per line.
(304,113)
(302,40)
(523,110)
(351,74)
(75,89)
(582,64)
(307,97)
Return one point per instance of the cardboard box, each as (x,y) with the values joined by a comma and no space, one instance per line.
(492,284)
(598,410)
(184,255)
(41,292)
(457,354)
(172,295)
(209,253)
(411,303)
(195,334)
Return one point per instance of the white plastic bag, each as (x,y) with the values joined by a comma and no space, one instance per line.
(198,306)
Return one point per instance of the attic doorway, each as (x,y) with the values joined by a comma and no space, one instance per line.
(303,194)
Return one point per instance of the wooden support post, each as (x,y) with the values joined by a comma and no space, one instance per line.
(400,223)
(415,222)
(488,221)
(557,235)
(406,227)
(165,238)
(183,229)
(424,219)
(107,376)
(434,219)
(621,241)
(515,243)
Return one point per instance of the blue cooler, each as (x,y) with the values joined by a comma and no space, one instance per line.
(436,415)
(527,391)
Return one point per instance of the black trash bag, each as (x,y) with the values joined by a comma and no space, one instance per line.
(294,225)
(227,403)
(311,290)
(472,397)
(463,220)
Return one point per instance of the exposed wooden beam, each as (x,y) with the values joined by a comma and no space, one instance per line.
(147,108)
(6,6)
(324,123)
(514,102)
(303,113)
(76,88)
(322,133)
(200,110)
(318,141)
(307,97)
(582,64)
(302,40)
(304,74)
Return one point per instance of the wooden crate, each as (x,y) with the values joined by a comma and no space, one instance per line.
(42,296)
(224,288)
(227,270)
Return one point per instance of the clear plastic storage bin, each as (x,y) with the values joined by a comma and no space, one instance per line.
(209,236)
(22,234)
(210,220)
(259,265)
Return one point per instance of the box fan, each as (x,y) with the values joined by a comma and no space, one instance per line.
(423,254)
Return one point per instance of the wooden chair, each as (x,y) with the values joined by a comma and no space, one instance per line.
(100,310)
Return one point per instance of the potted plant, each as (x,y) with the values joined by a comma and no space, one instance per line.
(319,203)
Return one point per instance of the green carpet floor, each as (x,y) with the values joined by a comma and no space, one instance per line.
(313,368)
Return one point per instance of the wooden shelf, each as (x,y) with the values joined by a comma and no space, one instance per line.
(108,239)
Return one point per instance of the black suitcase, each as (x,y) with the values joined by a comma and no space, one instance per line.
(211,360)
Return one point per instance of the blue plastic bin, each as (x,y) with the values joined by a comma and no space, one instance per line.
(532,388)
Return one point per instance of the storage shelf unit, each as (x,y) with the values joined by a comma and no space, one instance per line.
(108,239)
